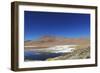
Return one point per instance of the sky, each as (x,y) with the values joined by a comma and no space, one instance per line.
(69,25)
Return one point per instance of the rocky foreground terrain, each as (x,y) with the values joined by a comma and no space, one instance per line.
(76,54)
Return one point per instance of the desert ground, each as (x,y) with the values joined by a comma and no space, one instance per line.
(80,50)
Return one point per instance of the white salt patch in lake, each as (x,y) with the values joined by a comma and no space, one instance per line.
(61,48)
(55,49)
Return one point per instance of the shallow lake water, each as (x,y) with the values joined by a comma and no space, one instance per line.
(32,55)
(43,54)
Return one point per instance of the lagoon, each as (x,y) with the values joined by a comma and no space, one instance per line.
(43,54)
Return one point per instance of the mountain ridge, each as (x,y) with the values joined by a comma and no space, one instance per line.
(48,41)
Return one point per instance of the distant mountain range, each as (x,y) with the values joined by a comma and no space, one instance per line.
(48,41)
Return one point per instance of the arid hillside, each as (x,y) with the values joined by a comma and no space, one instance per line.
(49,41)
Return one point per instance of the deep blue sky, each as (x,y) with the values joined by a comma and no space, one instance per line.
(71,25)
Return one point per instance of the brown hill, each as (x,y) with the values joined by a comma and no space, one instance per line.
(48,41)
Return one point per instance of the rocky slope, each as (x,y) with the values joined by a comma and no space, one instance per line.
(82,53)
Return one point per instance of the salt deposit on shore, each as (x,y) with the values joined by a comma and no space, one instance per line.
(56,49)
